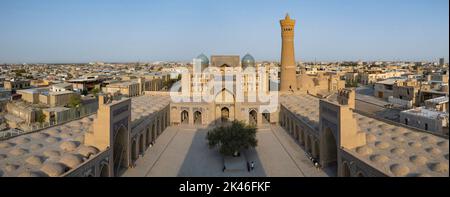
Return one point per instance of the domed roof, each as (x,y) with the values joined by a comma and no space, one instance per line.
(35,160)
(71,160)
(52,153)
(18,151)
(204,60)
(68,146)
(86,151)
(31,174)
(53,169)
(247,61)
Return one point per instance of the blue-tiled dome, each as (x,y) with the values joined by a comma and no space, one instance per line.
(248,61)
(204,60)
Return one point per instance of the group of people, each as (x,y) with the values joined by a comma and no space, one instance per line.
(250,166)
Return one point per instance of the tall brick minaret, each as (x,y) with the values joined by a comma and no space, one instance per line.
(288,80)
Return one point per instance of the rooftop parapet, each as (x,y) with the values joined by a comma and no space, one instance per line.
(346,97)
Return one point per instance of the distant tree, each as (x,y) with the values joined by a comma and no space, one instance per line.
(233,138)
(74,101)
(84,92)
(168,84)
(95,91)
(351,83)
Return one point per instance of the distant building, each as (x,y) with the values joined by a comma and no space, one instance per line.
(55,99)
(5,94)
(61,87)
(17,84)
(86,84)
(46,97)
(385,89)
(441,61)
(5,97)
(32,95)
(432,117)
(134,87)
(40,83)
(320,84)
(129,88)
(407,90)
(371,77)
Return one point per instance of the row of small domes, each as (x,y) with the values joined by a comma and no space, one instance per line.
(247,60)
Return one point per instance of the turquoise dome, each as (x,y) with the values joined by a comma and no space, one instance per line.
(204,60)
(248,61)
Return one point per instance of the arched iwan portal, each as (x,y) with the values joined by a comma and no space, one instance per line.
(329,153)
(266,118)
(133,151)
(225,114)
(198,118)
(120,149)
(345,170)
(104,172)
(141,145)
(148,137)
(184,117)
(253,118)
(153,133)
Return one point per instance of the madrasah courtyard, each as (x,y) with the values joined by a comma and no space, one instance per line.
(153,135)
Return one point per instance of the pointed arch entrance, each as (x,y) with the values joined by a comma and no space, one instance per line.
(153,133)
(148,137)
(225,114)
(120,150)
(104,170)
(185,117)
(253,118)
(266,118)
(345,170)
(198,118)
(141,145)
(329,150)
(134,151)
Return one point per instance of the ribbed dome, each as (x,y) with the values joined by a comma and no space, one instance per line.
(248,61)
(204,60)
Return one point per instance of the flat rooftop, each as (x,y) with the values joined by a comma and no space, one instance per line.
(424,112)
(438,100)
(122,84)
(391,81)
(391,149)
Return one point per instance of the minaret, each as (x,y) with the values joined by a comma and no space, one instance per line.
(288,80)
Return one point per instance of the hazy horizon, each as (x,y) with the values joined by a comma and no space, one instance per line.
(81,31)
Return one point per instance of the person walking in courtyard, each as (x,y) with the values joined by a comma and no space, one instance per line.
(252,165)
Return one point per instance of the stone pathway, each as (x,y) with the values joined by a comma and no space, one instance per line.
(183,152)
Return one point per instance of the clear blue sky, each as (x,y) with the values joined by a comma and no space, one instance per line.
(152,30)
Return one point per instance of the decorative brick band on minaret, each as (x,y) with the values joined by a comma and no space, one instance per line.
(288,80)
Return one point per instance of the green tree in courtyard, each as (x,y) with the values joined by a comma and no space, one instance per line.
(232,138)
(84,92)
(74,101)
(40,117)
(95,91)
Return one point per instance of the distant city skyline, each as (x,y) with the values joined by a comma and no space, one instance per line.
(78,31)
